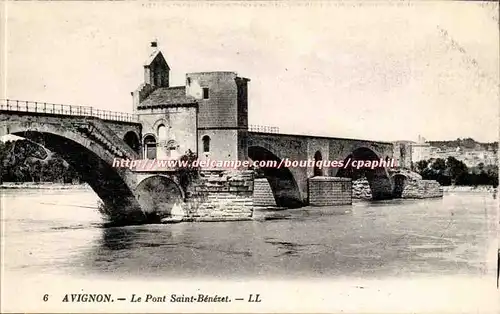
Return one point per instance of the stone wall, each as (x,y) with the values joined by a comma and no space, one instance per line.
(263,194)
(422,189)
(122,128)
(413,188)
(402,154)
(220,109)
(220,196)
(223,145)
(328,191)
(361,189)
(223,116)
(180,124)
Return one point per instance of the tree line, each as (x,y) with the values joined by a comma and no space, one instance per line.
(455,172)
(25,161)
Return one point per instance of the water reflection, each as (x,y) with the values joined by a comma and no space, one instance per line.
(115,238)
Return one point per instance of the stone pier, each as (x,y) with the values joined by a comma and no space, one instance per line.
(422,189)
(263,194)
(411,186)
(329,191)
(220,196)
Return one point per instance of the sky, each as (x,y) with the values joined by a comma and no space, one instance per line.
(370,70)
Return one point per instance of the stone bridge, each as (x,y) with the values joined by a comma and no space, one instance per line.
(89,140)
(209,117)
(289,185)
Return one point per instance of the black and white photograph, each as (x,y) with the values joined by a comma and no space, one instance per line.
(249,156)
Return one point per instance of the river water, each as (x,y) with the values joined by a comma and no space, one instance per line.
(61,233)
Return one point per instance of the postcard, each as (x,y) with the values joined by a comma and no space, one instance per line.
(249,157)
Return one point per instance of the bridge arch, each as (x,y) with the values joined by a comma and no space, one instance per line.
(132,140)
(379,179)
(283,183)
(399,181)
(94,164)
(159,194)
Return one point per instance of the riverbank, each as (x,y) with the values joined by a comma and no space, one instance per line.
(479,188)
(43,186)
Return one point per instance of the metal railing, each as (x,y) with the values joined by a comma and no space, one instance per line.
(263,128)
(68,110)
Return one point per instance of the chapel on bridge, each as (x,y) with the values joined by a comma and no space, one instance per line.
(208,115)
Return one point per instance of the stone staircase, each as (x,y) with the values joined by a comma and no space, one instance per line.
(98,131)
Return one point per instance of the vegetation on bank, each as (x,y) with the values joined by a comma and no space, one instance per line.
(465,143)
(189,173)
(25,161)
(454,172)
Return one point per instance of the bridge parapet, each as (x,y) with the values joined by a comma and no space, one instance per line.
(263,128)
(68,110)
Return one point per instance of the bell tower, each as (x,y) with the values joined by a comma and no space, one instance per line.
(156,75)
(156,69)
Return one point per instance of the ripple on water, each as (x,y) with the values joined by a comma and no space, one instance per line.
(374,239)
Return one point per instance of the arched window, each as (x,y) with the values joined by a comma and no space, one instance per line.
(206,143)
(162,133)
(150,147)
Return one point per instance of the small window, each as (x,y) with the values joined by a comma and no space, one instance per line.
(205,93)
(206,143)
(158,79)
(189,81)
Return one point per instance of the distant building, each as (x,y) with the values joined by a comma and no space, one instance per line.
(421,150)
(471,157)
